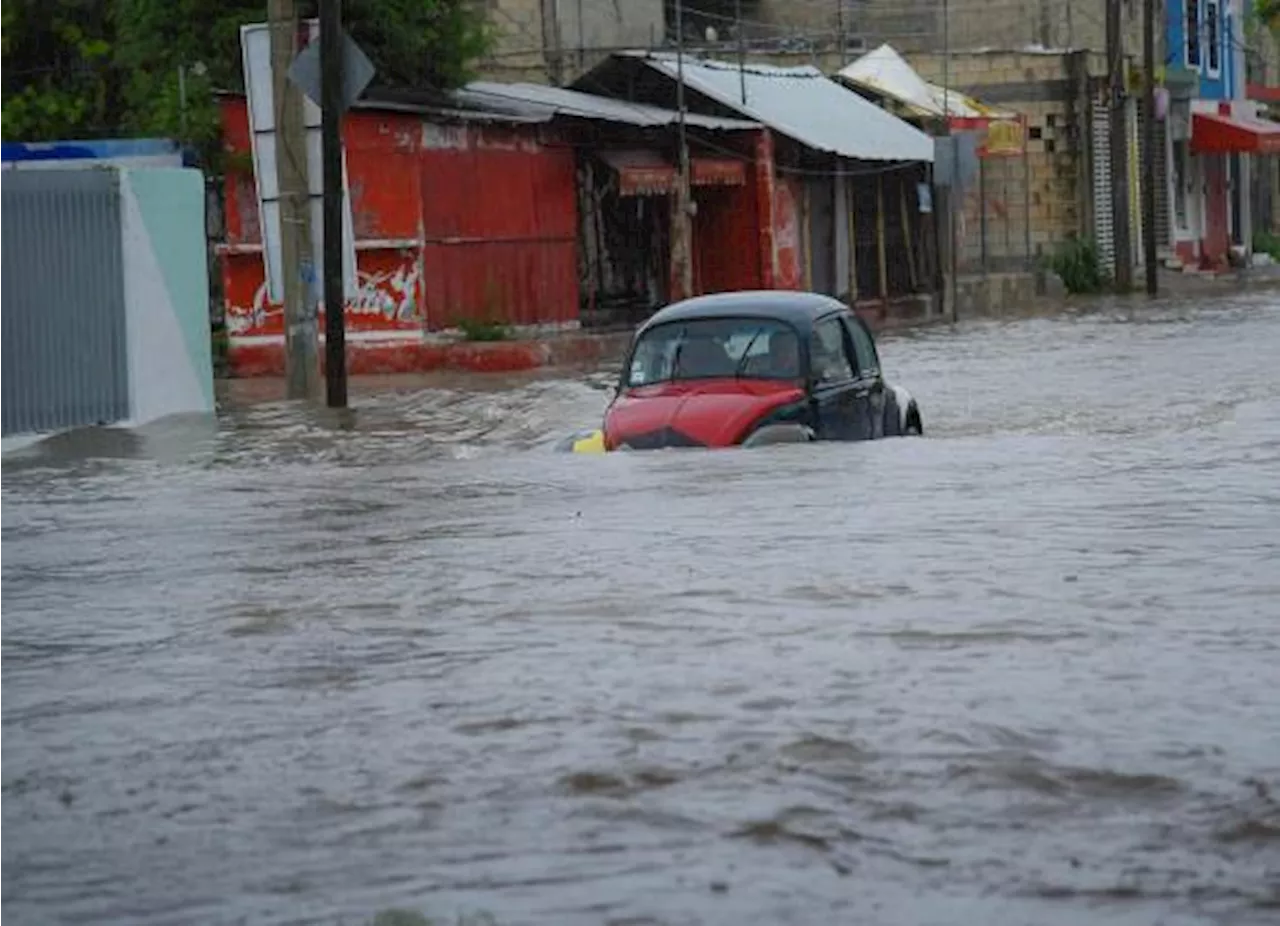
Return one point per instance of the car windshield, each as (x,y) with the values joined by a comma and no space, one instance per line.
(748,348)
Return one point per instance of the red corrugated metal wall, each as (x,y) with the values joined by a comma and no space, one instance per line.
(450,222)
(499,217)
(729,251)
(726,239)
(381,152)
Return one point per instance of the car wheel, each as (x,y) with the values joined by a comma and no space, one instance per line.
(914,427)
(779,434)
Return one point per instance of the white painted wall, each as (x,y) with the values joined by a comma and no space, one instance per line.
(164,377)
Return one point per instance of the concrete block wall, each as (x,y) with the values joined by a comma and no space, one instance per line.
(918,25)
(519,49)
(550,41)
(799,16)
(1046,191)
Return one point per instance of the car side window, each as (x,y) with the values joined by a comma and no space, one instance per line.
(829,353)
(863,346)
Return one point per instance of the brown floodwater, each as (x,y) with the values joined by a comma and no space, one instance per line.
(297,667)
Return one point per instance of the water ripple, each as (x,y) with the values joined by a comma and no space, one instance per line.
(306,667)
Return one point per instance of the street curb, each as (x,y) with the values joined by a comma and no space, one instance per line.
(372,358)
(250,359)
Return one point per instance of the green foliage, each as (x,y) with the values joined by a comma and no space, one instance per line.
(1267,243)
(220,344)
(1079,264)
(473,330)
(100,68)
(154,39)
(56,80)
(419,43)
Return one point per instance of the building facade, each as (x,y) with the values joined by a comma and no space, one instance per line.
(1215,132)
(554,41)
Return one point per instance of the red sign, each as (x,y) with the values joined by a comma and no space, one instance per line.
(717,172)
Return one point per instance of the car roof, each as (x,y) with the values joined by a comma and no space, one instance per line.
(800,309)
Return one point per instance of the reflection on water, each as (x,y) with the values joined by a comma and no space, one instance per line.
(301,668)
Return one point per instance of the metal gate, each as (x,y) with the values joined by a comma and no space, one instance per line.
(63,316)
(1160,169)
(1103,224)
(820,192)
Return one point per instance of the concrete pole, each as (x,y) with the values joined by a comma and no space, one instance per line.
(682,250)
(953,195)
(302,368)
(1149,146)
(1119,143)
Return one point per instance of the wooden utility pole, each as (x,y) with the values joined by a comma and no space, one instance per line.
(953,194)
(335,333)
(1119,139)
(302,370)
(682,250)
(1149,146)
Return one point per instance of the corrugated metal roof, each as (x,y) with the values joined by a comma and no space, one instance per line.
(538,101)
(887,72)
(801,103)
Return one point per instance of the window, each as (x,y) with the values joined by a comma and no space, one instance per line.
(707,348)
(1191,31)
(829,352)
(1180,184)
(1212,38)
(864,347)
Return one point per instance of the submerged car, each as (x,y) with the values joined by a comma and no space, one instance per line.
(751,368)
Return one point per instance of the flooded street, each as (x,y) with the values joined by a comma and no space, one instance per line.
(1021,671)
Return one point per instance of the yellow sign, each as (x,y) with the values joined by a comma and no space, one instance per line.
(1001,137)
(1004,137)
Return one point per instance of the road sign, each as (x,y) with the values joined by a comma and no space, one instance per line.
(357,71)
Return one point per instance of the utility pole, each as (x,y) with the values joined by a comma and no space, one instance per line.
(302,370)
(953,194)
(682,245)
(841,40)
(1149,146)
(1119,149)
(335,335)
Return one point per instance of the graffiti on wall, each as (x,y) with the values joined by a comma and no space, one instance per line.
(787,265)
(386,300)
(391,295)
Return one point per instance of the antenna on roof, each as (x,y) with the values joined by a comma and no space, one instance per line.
(742,49)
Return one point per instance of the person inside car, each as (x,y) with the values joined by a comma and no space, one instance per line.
(784,356)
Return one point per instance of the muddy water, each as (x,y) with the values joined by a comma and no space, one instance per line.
(1023,671)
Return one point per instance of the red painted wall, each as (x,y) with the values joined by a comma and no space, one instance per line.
(499,214)
(725,239)
(788,254)
(733,229)
(450,223)
(1216,234)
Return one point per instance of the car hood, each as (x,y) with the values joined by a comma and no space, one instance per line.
(698,413)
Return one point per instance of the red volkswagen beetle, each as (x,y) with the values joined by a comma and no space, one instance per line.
(750,368)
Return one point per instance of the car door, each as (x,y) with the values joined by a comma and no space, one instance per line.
(840,412)
(870,383)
